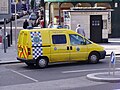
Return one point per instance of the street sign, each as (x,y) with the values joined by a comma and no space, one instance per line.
(112,58)
(112,63)
(5,9)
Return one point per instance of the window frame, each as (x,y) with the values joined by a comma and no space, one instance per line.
(81,42)
(58,41)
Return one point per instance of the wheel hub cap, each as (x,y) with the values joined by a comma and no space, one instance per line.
(93,58)
(42,62)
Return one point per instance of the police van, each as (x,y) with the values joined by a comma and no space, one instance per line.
(42,46)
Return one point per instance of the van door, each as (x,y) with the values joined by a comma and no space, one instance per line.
(22,45)
(78,49)
(59,47)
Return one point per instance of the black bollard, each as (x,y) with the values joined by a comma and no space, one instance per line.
(8,36)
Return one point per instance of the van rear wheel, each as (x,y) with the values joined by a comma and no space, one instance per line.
(42,62)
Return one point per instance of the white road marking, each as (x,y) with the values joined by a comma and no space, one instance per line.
(25,76)
(77,71)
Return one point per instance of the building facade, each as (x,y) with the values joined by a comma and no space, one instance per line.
(55,9)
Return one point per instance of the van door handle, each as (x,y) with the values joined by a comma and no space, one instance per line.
(70,47)
(67,47)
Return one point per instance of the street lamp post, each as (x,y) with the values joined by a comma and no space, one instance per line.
(5,35)
(15,25)
(34,5)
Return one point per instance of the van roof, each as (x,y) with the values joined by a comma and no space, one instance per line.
(47,29)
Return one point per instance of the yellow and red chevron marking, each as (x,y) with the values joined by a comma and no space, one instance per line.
(20,53)
(24,52)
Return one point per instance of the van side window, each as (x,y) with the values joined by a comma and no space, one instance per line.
(59,39)
(76,39)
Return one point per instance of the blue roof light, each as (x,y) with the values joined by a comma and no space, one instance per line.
(29,27)
(59,26)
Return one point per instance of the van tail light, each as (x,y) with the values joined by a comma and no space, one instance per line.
(29,51)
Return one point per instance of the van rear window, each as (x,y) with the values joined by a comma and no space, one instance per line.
(59,39)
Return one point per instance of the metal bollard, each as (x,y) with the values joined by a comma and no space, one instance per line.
(6,42)
(8,36)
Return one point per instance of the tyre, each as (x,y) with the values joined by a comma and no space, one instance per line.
(29,64)
(42,62)
(93,58)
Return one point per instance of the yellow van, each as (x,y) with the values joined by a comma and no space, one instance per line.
(42,46)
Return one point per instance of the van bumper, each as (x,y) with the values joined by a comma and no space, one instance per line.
(102,54)
(27,60)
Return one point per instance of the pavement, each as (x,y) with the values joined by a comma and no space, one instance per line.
(9,56)
(112,45)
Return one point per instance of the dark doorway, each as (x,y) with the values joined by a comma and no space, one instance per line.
(96,25)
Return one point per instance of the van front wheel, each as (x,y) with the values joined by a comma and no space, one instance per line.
(42,62)
(93,58)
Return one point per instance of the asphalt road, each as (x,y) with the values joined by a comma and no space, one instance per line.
(60,76)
